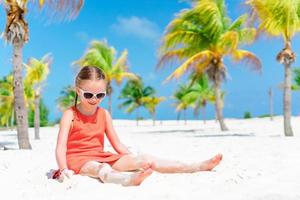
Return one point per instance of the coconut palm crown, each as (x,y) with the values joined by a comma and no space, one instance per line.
(16,33)
(200,37)
(134,93)
(37,72)
(280,18)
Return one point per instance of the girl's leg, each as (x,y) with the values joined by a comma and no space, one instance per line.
(106,174)
(131,162)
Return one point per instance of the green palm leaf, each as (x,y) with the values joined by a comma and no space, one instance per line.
(277,17)
(66,98)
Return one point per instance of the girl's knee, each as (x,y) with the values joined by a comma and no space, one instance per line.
(144,160)
(91,168)
(103,170)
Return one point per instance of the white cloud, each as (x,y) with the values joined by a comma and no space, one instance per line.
(136,26)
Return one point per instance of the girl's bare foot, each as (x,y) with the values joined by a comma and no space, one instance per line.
(208,165)
(138,177)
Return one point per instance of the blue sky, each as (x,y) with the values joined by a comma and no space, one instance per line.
(138,26)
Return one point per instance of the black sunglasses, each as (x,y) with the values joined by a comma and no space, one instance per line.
(89,95)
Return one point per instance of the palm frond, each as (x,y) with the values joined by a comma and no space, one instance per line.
(212,15)
(119,77)
(126,103)
(277,17)
(60,9)
(107,52)
(67,98)
(251,60)
(121,62)
(132,107)
(177,54)
(238,23)
(247,35)
(150,103)
(201,57)
(228,42)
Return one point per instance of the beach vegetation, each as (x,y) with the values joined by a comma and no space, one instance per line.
(200,37)
(16,33)
(135,94)
(280,18)
(37,72)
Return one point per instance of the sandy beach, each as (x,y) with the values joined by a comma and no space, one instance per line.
(259,163)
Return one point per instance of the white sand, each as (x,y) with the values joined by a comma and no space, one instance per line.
(259,163)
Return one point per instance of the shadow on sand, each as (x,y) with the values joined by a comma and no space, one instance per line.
(199,133)
(4,145)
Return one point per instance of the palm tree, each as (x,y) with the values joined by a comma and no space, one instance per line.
(181,103)
(270,94)
(150,104)
(201,37)
(44,115)
(134,92)
(101,55)
(37,72)
(16,33)
(280,18)
(67,98)
(199,94)
(6,101)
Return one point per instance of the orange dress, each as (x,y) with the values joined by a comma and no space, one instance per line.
(86,140)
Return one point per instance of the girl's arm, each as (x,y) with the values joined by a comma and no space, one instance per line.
(113,137)
(61,146)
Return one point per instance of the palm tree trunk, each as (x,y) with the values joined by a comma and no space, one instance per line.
(178,117)
(109,103)
(196,113)
(287,100)
(137,117)
(286,57)
(153,118)
(19,103)
(12,120)
(7,123)
(204,115)
(109,91)
(271,103)
(37,117)
(219,103)
(184,114)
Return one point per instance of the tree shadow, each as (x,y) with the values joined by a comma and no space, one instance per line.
(4,145)
(225,135)
(199,133)
(174,131)
(9,134)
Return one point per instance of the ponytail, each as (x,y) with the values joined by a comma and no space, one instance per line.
(76,97)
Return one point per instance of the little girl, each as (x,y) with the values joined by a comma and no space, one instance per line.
(80,142)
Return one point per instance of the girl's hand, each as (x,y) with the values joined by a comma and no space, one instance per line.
(60,175)
(67,173)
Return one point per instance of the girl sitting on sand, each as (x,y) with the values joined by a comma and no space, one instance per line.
(80,142)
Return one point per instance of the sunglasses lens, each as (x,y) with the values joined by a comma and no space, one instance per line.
(100,95)
(88,95)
